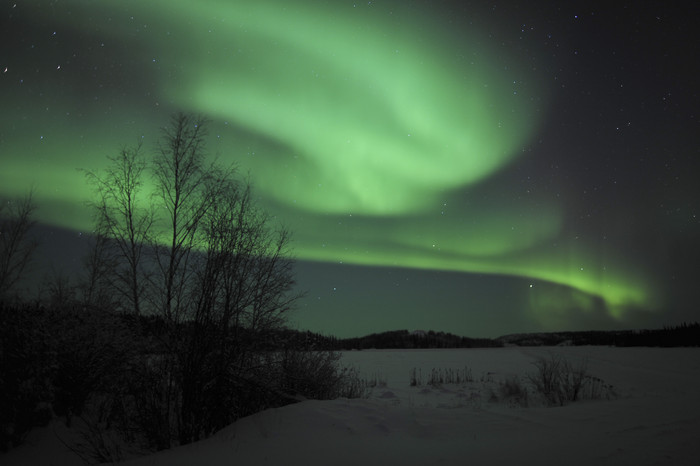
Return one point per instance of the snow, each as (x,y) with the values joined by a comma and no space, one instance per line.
(654,419)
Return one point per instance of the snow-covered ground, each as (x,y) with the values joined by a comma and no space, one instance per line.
(654,418)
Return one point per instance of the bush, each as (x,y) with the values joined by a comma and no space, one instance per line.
(352,386)
(311,374)
(512,390)
(318,375)
(559,381)
(103,436)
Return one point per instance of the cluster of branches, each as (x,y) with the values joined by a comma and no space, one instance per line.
(167,336)
(182,239)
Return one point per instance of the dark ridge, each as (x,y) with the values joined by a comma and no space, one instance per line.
(403,339)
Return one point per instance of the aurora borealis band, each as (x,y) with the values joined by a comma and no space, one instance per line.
(479,169)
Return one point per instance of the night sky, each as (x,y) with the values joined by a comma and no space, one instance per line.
(480,168)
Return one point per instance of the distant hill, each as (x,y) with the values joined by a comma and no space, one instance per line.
(419,339)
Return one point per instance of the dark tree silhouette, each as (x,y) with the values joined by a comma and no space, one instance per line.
(123,216)
(196,252)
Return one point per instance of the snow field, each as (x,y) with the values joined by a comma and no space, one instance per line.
(654,419)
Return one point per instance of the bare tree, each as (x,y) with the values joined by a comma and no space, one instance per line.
(218,275)
(122,217)
(16,245)
(185,190)
(245,280)
(242,296)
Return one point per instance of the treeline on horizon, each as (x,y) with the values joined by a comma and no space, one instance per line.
(403,339)
(685,334)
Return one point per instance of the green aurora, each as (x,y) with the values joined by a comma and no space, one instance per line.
(364,134)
